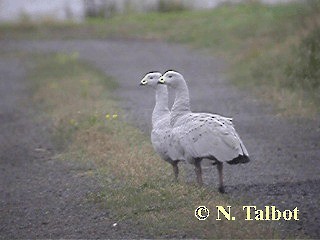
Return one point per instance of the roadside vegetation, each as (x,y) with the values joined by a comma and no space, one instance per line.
(138,187)
(274,50)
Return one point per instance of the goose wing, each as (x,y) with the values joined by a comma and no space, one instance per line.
(209,135)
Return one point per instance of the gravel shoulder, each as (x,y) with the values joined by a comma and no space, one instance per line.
(285,152)
(41,197)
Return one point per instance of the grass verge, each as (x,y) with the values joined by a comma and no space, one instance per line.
(270,48)
(137,185)
(266,45)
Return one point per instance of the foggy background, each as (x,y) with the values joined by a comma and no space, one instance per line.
(76,10)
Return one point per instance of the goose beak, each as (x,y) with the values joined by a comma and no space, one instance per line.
(161,80)
(143,82)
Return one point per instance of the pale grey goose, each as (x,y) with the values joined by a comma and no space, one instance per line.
(161,129)
(202,135)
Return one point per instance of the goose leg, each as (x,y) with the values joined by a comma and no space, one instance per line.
(175,170)
(220,168)
(198,172)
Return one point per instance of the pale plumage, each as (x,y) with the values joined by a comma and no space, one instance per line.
(161,128)
(202,135)
(207,135)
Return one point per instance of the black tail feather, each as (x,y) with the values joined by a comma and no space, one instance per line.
(239,159)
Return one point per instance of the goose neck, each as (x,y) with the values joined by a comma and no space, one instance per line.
(181,104)
(161,106)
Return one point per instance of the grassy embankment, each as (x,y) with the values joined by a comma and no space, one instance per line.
(137,184)
(274,50)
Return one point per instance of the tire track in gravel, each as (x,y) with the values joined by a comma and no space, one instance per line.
(285,152)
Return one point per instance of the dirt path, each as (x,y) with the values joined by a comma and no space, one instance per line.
(285,153)
(41,197)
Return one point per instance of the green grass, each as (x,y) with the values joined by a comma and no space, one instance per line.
(60,69)
(259,42)
(137,186)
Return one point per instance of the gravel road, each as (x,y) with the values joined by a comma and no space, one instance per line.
(41,197)
(285,153)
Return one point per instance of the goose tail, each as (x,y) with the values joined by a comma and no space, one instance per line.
(239,159)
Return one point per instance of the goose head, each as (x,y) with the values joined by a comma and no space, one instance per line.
(171,78)
(151,79)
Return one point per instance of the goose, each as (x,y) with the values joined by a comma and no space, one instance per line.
(202,135)
(161,129)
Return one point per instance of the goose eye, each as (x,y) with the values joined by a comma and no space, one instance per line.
(151,77)
(169,76)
